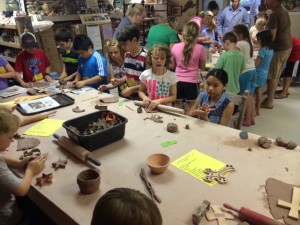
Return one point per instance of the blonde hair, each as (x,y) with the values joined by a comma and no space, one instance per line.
(8,122)
(189,35)
(114,43)
(135,9)
(159,49)
(261,22)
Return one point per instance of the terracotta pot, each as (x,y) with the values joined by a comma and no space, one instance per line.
(88,181)
(158,163)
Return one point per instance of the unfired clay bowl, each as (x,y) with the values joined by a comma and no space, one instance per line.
(158,163)
(88,181)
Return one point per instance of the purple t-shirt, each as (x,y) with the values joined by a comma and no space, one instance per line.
(190,72)
(3,81)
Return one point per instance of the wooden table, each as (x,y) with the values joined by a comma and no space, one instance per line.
(181,193)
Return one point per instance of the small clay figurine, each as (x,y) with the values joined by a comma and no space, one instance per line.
(78,110)
(172,127)
(32,152)
(264,142)
(60,164)
(45,178)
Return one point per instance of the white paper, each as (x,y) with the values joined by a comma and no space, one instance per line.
(38,105)
(11,91)
(81,90)
(93,32)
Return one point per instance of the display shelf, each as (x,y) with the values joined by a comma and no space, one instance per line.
(10,59)
(10,44)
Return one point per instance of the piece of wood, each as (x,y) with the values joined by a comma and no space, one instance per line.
(294,206)
(200,212)
(164,108)
(219,215)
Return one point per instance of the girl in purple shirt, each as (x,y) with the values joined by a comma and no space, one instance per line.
(6,71)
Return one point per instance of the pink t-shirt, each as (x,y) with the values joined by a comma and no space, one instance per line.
(190,72)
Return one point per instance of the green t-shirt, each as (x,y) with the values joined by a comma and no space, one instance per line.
(161,34)
(233,63)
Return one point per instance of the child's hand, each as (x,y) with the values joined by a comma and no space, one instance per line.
(153,104)
(127,92)
(48,78)
(36,165)
(24,162)
(26,85)
(115,81)
(146,103)
(79,84)
(9,108)
(102,87)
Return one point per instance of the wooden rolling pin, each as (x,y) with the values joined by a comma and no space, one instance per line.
(253,217)
(78,151)
(32,119)
(162,107)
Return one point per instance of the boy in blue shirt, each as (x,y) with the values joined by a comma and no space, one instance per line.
(92,66)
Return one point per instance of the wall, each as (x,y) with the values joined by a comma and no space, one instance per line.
(2,6)
(295,17)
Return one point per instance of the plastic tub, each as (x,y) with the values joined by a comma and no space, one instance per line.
(97,140)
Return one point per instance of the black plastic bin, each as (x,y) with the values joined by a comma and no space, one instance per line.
(95,141)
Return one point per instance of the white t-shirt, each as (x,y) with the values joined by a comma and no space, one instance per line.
(244,47)
(158,86)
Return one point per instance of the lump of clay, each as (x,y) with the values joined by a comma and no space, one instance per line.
(187,127)
(139,109)
(264,142)
(291,145)
(172,127)
(287,144)
(78,110)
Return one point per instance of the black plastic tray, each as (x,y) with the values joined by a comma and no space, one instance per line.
(62,99)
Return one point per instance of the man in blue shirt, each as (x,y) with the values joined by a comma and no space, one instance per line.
(232,15)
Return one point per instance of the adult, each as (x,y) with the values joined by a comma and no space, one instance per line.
(168,29)
(213,7)
(292,67)
(280,25)
(232,15)
(135,14)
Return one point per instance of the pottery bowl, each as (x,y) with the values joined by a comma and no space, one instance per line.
(88,181)
(158,163)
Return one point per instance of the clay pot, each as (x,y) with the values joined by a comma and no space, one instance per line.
(158,163)
(88,181)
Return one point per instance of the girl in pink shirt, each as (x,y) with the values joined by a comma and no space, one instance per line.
(188,58)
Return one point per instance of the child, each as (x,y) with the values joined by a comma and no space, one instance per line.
(134,62)
(6,71)
(262,64)
(124,206)
(10,184)
(210,31)
(232,61)
(64,38)
(213,104)
(32,62)
(92,66)
(259,26)
(188,58)
(116,68)
(247,78)
(158,82)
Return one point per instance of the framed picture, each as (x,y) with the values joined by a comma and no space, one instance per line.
(99,18)
(176,10)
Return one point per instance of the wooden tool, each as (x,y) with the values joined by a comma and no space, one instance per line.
(253,217)
(164,108)
(32,119)
(219,215)
(200,212)
(294,206)
(78,151)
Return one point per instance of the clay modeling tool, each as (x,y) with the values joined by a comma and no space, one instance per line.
(164,108)
(219,175)
(294,206)
(200,211)
(78,151)
(219,215)
(168,143)
(149,187)
(253,217)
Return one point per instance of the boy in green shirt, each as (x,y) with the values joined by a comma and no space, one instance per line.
(232,61)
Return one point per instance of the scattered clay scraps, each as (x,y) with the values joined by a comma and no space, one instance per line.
(101,107)
(78,110)
(155,118)
(44,179)
(27,143)
(18,136)
(60,164)
(172,127)
(32,152)
(287,144)
(264,142)
(139,109)
(150,111)
(277,190)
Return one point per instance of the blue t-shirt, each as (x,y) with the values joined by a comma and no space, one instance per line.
(124,21)
(96,65)
(3,81)
(266,55)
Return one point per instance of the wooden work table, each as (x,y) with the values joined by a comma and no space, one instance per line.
(181,193)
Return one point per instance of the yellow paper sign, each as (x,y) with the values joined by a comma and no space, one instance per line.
(194,163)
(44,128)
(38,77)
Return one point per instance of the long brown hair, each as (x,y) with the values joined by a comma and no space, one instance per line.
(243,30)
(189,34)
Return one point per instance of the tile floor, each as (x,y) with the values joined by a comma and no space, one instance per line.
(283,120)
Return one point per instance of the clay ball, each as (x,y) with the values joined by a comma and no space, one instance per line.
(264,142)
(172,127)
(281,142)
(291,145)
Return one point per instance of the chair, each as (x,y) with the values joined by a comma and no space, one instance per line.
(241,102)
